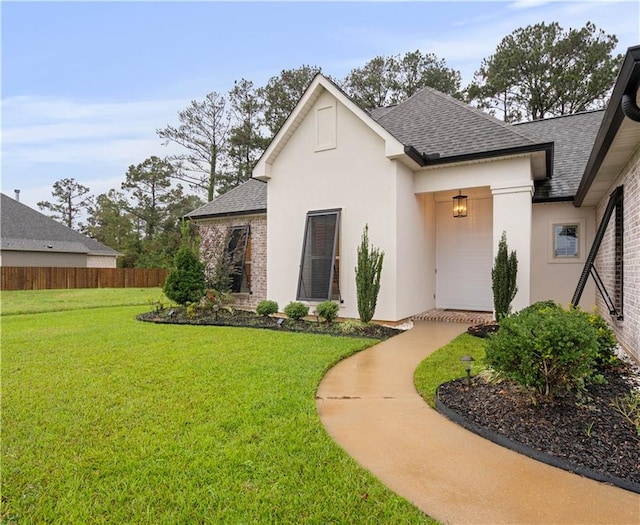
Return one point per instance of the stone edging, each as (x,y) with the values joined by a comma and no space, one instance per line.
(531,452)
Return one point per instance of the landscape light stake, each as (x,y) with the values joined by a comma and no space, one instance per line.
(468,363)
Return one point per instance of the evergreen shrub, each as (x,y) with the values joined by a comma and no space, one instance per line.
(296,311)
(545,347)
(267,308)
(186,280)
(328,310)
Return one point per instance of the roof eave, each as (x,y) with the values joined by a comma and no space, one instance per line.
(260,211)
(546,147)
(628,78)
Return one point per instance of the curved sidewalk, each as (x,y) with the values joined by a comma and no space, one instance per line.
(369,405)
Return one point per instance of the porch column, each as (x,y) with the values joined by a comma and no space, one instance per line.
(512,212)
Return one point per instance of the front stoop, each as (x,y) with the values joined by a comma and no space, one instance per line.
(454,316)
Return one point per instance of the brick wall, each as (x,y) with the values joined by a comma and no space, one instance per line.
(628,330)
(210,228)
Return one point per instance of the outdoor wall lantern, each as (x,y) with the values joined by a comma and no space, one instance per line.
(460,205)
(468,363)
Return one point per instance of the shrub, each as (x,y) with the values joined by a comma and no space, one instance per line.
(368,273)
(185,282)
(607,342)
(328,310)
(266,308)
(351,326)
(545,347)
(503,279)
(296,311)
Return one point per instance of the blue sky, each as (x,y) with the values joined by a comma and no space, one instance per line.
(85,85)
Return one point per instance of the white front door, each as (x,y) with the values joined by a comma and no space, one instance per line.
(465,257)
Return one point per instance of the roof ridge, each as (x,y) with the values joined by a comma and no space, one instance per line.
(556,117)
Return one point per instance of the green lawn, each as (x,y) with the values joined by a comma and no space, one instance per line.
(444,365)
(38,301)
(109,420)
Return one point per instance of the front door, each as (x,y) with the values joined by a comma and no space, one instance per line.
(465,257)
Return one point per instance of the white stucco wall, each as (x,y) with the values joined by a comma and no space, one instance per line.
(354,176)
(415,247)
(510,182)
(553,278)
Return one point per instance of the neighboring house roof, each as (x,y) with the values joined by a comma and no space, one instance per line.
(25,229)
(248,198)
(573,137)
(617,138)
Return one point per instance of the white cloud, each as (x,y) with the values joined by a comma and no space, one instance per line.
(47,139)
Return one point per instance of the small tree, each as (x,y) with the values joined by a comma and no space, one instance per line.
(368,277)
(503,278)
(186,282)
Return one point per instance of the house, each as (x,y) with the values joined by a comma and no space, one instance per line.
(29,238)
(611,186)
(242,212)
(437,182)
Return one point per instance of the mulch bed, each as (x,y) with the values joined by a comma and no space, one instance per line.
(247,319)
(583,434)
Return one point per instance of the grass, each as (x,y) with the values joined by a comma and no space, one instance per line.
(40,301)
(106,419)
(444,365)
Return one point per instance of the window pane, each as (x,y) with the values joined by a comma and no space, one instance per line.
(317,267)
(566,240)
(236,251)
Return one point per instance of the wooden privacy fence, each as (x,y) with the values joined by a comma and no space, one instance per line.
(35,278)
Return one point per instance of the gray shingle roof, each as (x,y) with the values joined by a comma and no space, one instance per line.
(433,122)
(249,197)
(25,229)
(573,137)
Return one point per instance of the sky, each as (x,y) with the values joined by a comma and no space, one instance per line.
(85,85)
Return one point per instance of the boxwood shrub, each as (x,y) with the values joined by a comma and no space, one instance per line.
(296,311)
(545,347)
(266,307)
(328,310)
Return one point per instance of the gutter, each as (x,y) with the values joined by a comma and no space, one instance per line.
(435,159)
(628,81)
(224,215)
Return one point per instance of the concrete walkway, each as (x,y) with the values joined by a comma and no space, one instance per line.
(369,406)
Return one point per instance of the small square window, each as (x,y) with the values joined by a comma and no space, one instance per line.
(566,240)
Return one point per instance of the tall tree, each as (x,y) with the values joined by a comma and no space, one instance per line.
(386,80)
(281,94)
(150,191)
(108,222)
(72,199)
(542,70)
(246,142)
(203,133)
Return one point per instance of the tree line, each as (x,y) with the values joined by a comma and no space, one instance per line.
(538,71)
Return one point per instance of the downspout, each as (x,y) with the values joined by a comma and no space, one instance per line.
(629,105)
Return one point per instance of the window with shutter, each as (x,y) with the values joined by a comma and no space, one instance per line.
(318,279)
(238,250)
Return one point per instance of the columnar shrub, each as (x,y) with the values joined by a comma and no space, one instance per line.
(296,311)
(368,273)
(266,307)
(503,279)
(545,347)
(186,281)
(328,310)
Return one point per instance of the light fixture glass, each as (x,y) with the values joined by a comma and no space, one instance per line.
(460,205)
